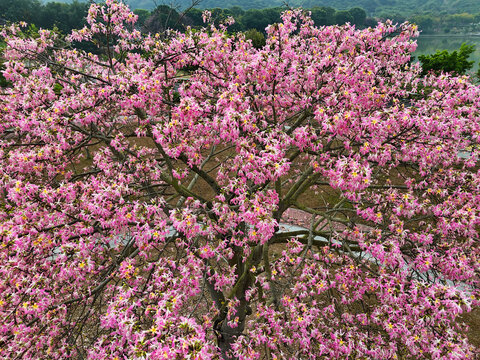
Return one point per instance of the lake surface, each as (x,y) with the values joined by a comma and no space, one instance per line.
(429,44)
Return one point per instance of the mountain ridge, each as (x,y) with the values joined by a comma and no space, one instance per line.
(373,7)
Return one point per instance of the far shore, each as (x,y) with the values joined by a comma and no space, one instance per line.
(451,35)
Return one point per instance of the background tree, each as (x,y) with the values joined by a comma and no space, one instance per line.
(143,15)
(20,10)
(162,18)
(343,17)
(444,61)
(359,16)
(63,16)
(425,22)
(3,81)
(260,19)
(171,240)
(323,15)
(237,11)
(258,39)
(194,18)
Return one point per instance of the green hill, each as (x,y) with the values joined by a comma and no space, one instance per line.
(373,7)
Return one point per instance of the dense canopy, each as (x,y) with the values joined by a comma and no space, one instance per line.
(148,194)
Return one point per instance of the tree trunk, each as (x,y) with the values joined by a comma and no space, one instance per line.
(228,334)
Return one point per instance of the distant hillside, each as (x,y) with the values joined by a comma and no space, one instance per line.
(373,7)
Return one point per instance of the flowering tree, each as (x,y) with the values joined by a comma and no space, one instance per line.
(143,206)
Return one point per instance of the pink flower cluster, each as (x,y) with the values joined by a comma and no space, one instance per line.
(142,190)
